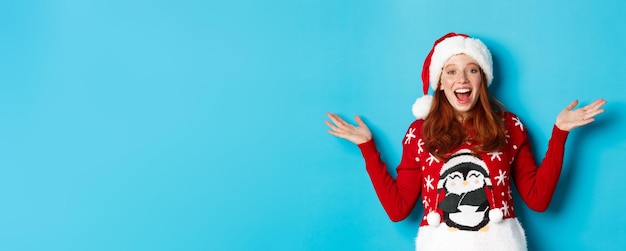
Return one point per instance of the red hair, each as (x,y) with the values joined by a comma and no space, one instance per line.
(443,132)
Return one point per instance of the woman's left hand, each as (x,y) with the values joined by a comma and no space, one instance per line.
(571,118)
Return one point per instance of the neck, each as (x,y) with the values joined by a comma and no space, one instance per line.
(461,117)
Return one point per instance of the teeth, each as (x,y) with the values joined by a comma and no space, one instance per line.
(462,91)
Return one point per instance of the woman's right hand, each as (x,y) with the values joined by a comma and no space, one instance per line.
(342,129)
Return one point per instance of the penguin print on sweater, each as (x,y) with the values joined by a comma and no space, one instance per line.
(464,178)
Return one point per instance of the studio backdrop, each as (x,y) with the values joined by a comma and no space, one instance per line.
(198,125)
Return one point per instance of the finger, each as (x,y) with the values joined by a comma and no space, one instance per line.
(359,121)
(597,104)
(572,105)
(340,135)
(332,127)
(332,117)
(340,131)
(344,124)
(336,119)
(594,109)
(594,113)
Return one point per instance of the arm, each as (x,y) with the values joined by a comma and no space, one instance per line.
(536,185)
(398,196)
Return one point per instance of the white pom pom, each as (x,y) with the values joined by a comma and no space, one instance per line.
(495,215)
(433,219)
(421,107)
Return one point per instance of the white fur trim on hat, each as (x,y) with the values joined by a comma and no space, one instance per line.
(451,46)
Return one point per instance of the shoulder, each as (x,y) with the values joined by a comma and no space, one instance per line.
(413,139)
(511,120)
(514,126)
(416,126)
(417,123)
(509,115)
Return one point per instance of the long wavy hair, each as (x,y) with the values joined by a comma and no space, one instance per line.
(443,132)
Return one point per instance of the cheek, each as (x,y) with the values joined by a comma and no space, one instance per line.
(476,81)
(446,87)
(446,83)
(452,182)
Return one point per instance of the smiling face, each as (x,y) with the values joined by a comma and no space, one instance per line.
(461,78)
(466,178)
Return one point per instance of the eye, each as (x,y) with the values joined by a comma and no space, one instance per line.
(474,70)
(455,177)
(451,72)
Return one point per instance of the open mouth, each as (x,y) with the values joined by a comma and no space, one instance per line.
(463,95)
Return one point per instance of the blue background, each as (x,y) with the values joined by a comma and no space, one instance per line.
(195,125)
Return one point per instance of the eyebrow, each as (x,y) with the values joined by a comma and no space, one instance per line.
(469,64)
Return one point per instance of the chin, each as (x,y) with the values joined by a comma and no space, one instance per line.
(463,108)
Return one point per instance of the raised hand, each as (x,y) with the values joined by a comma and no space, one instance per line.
(356,134)
(571,118)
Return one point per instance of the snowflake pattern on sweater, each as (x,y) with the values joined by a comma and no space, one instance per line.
(468,190)
(490,171)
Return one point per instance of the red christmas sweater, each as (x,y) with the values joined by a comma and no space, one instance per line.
(488,176)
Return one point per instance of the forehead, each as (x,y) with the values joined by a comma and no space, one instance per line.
(460,59)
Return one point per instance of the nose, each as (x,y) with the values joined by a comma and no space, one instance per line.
(462,77)
(465,182)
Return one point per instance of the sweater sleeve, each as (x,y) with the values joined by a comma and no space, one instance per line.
(397,196)
(536,185)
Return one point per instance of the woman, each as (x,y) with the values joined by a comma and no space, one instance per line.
(463,153)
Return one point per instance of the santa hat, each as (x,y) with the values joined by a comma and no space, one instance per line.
(445,47)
